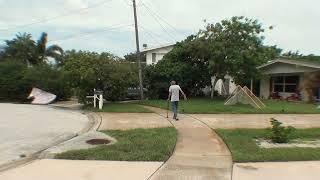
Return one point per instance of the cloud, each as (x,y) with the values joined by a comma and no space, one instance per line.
(295,21)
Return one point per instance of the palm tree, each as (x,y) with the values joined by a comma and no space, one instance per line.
(21,48)
(53,51)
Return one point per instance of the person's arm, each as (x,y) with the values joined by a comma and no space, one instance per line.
(170,93)
(184,95)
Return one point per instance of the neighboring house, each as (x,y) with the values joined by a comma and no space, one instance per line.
(154,55)
(284,77)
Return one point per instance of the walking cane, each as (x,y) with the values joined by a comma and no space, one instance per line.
(167,109)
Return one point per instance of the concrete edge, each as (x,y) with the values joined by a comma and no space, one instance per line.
(94,122)
(34,156)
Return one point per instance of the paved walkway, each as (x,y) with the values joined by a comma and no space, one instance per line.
(232,121)
(82,170)
(199,155)
(28,129)
(126,121)
(280,170)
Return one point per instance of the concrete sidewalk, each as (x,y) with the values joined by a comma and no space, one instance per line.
(82,170)
(127,121)
(199,153)
(258,121)
(280,170)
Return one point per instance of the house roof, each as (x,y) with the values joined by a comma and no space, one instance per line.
(158,47)
(305,63)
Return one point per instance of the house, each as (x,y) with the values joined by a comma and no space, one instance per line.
(155,54)
(284,78)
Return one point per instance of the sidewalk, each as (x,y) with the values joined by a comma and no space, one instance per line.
(309,170)
(81,170)
(199,153)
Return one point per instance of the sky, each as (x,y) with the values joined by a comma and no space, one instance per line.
(107,25)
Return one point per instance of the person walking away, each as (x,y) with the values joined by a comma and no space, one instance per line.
(174,96)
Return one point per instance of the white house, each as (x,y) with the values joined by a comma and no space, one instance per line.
(155,54)
(284,77)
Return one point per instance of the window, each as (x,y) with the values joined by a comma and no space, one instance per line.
(288,84)
(154,57)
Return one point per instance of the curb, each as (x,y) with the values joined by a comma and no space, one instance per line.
(93,124)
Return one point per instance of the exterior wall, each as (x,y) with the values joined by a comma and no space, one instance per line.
(282,68)
(265,87)
(160,52)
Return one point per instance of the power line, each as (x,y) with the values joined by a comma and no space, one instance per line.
(57,17)
(162,27)
(162,19)
(110,28)
(153,35)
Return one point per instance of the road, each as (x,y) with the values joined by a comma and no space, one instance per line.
(28,129)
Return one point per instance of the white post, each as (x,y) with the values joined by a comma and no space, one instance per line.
(251,85)
(101,101)
(94,101)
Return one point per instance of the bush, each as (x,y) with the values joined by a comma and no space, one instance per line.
(17,80)
(280,134)
(49,79)
(12,85)
(103,71)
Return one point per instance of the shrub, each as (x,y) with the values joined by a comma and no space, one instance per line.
(49,79)
(280,134)
(12,86)
(17,80)
(103,71)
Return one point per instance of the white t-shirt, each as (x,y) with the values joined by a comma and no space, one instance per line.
(174,90)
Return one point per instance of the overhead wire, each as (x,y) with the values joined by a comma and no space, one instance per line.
(158,16)
(40,21)
(151,35)
(110,28)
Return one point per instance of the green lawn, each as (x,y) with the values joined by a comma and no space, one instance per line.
(216,106)
(133,145)
(244,149)
(120,108)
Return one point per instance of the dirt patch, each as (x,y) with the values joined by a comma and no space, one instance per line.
(98,141)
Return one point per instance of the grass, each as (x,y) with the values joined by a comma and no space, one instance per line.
(244,149)
(120,108)
(133,145)
(216,106)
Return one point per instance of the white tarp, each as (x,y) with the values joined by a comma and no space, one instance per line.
(41,97)
(244,96)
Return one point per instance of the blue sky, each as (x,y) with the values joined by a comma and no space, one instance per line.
(107,25)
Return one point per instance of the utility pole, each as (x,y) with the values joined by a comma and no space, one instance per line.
(138,48)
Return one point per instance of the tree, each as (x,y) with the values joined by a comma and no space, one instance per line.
(88,70)
(235,47)
(24,48)
(183,64)
(231,47)
(53,51)
(21,48)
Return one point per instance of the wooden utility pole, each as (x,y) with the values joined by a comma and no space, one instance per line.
(138,48)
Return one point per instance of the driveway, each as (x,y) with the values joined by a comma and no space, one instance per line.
(28,129)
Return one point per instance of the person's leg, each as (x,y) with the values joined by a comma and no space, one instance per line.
(174,109)
(177,109)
